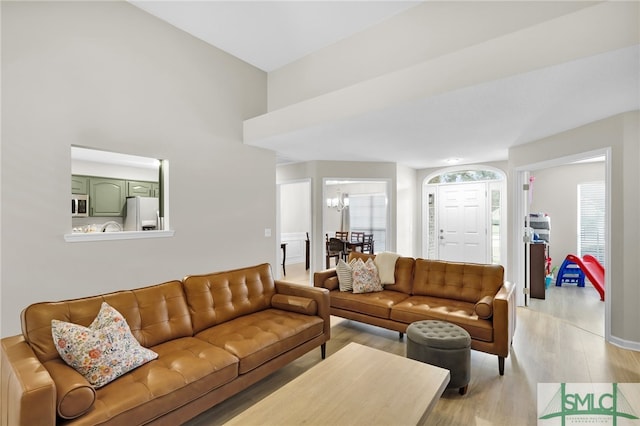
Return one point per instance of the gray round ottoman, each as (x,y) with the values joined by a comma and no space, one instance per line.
(442,344)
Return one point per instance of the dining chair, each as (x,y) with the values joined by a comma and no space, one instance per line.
(342,235)
(334,248)
(357,240)
(367,244)
(357,237)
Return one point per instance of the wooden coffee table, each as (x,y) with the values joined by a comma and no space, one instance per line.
(357,385)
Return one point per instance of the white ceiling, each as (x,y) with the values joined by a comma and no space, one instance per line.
(476,124)
(270,34)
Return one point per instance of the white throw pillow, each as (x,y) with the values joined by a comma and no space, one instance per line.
(386,264)
(344,272)
(103,351)
(365,277)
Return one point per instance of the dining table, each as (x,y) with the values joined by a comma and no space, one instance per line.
(351,246)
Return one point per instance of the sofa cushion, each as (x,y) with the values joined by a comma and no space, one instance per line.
(302,305)
(365,277)
(418,308)
(467,282)
(186,369)
(222,296)
(262,336)
(154,314)
(103,351)
(376,304)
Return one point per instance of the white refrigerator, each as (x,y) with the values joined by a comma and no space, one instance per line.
(142,214)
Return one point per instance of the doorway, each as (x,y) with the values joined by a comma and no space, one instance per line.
(358,205)
(553,188)
(463,215)
(294,230)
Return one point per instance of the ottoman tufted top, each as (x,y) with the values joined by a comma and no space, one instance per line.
(438,334)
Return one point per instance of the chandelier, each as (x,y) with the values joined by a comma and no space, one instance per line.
(339,203)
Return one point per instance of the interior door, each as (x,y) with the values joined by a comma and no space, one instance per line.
(462,220)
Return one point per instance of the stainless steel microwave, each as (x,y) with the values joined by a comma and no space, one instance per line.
(79,205)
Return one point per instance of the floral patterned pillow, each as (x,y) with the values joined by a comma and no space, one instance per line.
(103,351)
(365,277)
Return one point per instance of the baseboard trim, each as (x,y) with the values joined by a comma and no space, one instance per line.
(625,344)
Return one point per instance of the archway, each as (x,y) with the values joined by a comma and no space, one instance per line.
(459,198)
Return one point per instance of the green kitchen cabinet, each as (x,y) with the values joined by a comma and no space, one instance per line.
(106,197)
(79,184)
(142,189)
(137,188)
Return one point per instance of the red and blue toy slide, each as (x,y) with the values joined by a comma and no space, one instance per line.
(591,268)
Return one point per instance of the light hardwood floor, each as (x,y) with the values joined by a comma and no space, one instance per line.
(561,344)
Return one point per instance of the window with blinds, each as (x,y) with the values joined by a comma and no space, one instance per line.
(368,213)
(591,211)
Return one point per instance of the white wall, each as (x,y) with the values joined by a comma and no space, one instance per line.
(107,75)
(295,209)
(620,134)
(555,192)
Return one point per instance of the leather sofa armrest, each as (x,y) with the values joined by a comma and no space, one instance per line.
(504,318)
(319,295)
(28,391)
(326,279)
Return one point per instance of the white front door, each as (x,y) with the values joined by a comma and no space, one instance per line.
(462,220)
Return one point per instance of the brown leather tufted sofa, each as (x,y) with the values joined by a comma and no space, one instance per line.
(215,334)
(473,296)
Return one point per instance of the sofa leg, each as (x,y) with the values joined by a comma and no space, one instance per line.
(401,335)
(463,390)
(501,365)
(323,350)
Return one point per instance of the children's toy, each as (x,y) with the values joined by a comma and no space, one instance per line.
(574,269)
(570,273)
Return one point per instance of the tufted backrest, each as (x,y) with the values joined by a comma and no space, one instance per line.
(221,296)
(468,282)
(154,314)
